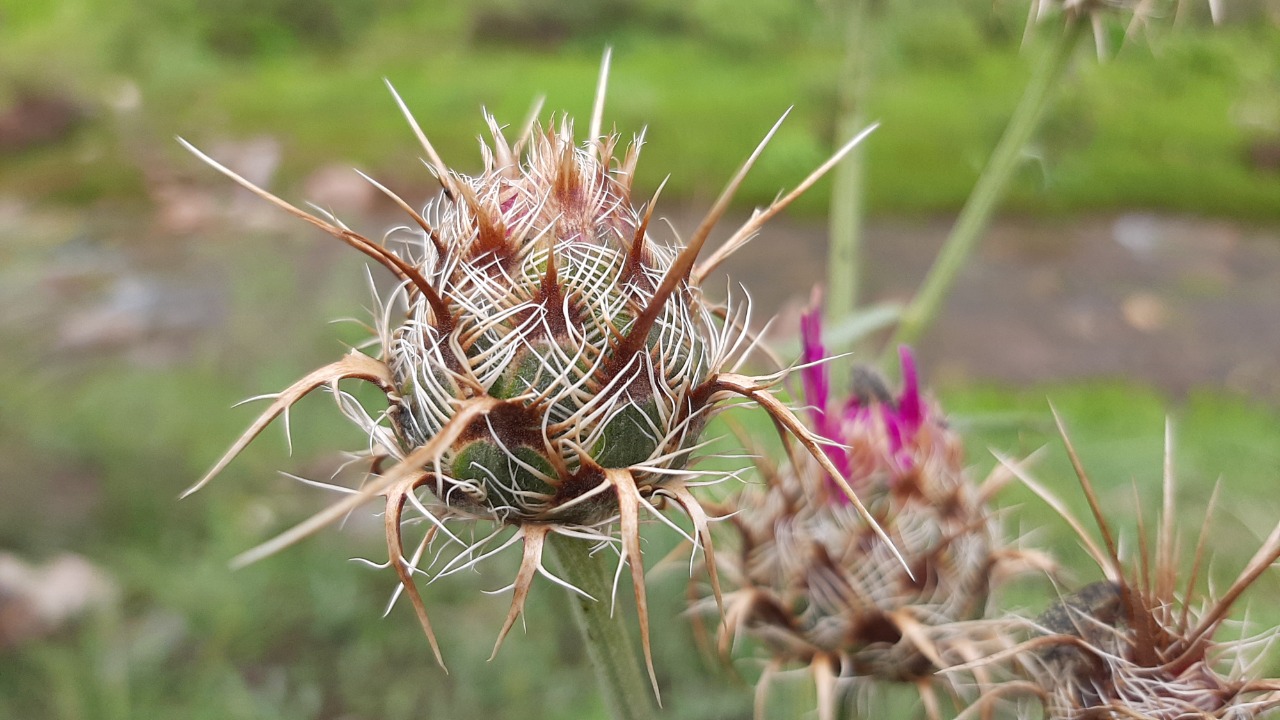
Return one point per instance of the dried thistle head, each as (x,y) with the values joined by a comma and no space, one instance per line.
(1136,15)
(1144,642)
(548,366)
(816,587)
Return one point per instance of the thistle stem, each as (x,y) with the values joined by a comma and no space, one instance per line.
(847,186)
(989,190)
(609,646)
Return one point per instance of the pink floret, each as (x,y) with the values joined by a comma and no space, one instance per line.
(901,418)
(817,386)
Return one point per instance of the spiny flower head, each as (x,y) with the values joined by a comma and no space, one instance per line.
(1143,642)
(817,588)
(547,365)
(552,309)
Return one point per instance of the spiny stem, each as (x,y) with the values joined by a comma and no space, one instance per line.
(609,646)
(988,191)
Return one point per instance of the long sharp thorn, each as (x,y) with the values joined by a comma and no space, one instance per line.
(635,253)
(530,120)
(442,170)
(1095,506)
(395,542)
(1057,506)
(629,525)
(1198,559)
(353,366)
(744,234)
(385,257)
(1262,560)
(343,234)
(1164,546)
(597,108)
(411,466)
(915,632)
(417,217)
(698,516)
(534,538)
(690,254)
(824,676)
(680,270)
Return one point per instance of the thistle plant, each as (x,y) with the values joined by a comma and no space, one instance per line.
(816,588)
(548,366)
(1072,21)
(1145,641)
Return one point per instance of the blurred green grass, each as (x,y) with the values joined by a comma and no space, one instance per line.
(1165,124)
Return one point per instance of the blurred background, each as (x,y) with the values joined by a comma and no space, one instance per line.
(1134,273)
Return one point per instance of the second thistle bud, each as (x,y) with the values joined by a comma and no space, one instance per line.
(1150,641)
(818,587)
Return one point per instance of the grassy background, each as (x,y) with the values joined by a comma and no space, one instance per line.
(94,450)
(1169,123)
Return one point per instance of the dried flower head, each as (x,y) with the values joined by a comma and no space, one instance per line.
(547,365)
(1142,644)
(817,588)
(1136,15)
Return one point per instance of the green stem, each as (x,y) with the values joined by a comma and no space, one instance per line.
(988,191)
(609,646)
(845,227)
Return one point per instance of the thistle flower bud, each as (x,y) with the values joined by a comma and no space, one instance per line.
(817,588)
(547,365)
(1142,644)
(553,310)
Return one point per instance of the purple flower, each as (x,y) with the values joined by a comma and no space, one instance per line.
(819,586)
(869,405)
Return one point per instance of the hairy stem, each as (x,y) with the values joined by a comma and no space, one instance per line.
(609,646)
(987,193)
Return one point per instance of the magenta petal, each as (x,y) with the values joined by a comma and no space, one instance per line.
(895,429)
(816,384)
(910,406)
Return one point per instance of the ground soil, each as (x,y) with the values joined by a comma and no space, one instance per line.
(1178,302)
